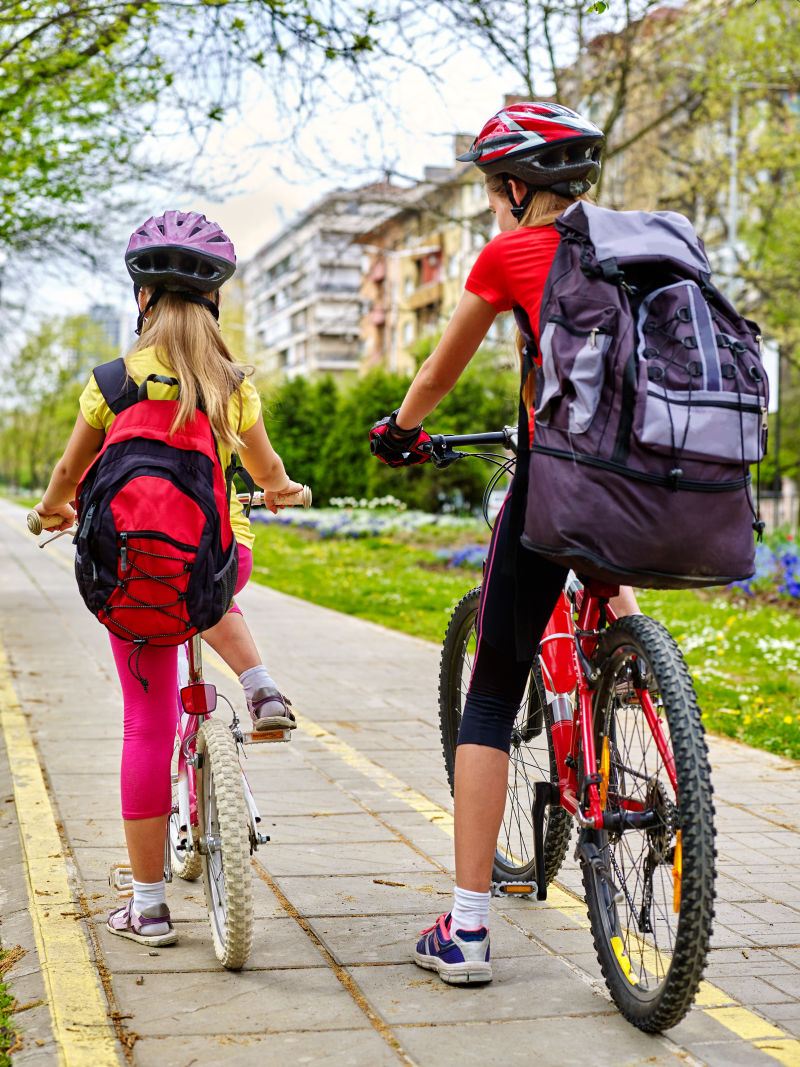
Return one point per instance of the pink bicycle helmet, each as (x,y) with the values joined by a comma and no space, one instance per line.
(544,145)
(180,250)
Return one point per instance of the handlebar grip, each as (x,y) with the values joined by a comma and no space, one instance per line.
(302,498)
(37,522)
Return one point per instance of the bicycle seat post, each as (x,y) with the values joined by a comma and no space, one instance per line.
(194,651)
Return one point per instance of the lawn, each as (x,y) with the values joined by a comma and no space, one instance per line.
(744,655)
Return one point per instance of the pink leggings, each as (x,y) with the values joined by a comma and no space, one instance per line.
(151,718)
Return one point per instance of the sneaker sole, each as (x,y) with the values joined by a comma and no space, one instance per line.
(154,940)
(456,973)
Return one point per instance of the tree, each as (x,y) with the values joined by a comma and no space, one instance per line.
(82,82)
(49,373)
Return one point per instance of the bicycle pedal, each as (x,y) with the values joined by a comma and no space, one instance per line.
(513,889)
(259,737)
(120,877)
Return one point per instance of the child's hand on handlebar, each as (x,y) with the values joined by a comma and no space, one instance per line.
(397,447)
(270,495)
(65,511)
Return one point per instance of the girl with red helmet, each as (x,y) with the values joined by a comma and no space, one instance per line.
(178,262)
(537,159)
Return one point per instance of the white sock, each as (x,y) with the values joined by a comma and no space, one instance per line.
(470,910)
(148,894)
(255,678)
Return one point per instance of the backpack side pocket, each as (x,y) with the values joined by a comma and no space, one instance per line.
(573,344)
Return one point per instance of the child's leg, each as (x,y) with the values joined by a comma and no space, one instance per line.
(150,720)
(231,639)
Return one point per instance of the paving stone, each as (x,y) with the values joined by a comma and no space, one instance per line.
(248,1002)
(553,1041)
(339,1048)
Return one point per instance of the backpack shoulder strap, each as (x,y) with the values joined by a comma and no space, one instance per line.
(119,391)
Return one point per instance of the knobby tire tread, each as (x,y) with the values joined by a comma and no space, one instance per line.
(218,750)
(679,986)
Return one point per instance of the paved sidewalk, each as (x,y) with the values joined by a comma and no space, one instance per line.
(360,860)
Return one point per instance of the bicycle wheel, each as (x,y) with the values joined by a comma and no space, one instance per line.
(185,865)
(650,888)
(531,759)
(225,844)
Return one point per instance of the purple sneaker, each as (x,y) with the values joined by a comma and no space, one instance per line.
(269,710)
(125,922)
(460,956)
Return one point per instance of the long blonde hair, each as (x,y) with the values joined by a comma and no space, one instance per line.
(189,344)
(543,210)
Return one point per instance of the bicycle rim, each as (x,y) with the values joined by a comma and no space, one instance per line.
(223,818)
(531,756)
(650,890)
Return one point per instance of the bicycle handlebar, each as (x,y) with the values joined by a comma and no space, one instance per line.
(443,445)
(302,498)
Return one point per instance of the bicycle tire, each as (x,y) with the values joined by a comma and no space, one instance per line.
(225,844)
(651,943)
(531,758)
(187,866)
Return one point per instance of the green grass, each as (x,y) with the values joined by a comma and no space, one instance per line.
(745,657)
(8,1031)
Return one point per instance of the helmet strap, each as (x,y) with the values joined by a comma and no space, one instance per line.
(517,210)
(203,301)
(151,303)
(184,294)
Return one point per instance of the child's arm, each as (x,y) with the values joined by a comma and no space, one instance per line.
(264,464)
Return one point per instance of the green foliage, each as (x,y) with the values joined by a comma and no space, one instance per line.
(321,431)
(48,373)
(80,83)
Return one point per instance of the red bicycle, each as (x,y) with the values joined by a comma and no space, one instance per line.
(608,737)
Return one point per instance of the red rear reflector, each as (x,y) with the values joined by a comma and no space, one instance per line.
(199,699)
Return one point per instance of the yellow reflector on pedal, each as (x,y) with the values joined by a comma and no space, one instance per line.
(677,871)
(523,888)
(622,959)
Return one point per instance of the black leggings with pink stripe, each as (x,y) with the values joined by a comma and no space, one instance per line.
(151,718)
(498,678)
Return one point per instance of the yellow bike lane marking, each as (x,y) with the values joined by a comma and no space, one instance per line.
(714,1002)
(78,1007)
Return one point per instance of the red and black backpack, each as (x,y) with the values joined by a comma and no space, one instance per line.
(156,559)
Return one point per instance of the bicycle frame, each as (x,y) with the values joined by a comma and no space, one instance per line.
(199,700)
(566,651)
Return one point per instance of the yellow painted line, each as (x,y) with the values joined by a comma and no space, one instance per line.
(78,1007)
(713,1001)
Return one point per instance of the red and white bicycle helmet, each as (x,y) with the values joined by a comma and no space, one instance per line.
(180,250)
(545,145)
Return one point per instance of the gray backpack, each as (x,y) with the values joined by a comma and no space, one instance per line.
(651,406)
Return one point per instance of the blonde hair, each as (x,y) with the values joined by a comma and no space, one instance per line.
(543,210)
(189,344)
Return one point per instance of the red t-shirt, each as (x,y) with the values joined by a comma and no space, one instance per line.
(512,270)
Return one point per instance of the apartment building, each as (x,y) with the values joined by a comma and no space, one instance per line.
(303,303)
(417,260)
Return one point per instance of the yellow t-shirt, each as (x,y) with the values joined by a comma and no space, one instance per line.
(98,414)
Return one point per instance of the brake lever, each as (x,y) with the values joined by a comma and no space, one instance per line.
(440,460)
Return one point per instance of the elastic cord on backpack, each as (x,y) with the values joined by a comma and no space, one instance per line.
(134,668)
